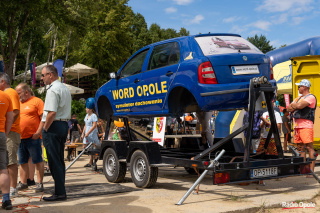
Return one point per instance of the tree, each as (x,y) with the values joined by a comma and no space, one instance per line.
(17,15)
(261,43)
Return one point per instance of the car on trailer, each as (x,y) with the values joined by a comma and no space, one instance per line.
(181,75)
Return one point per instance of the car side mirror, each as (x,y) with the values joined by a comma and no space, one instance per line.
(113,75)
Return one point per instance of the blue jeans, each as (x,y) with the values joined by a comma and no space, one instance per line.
(30,148)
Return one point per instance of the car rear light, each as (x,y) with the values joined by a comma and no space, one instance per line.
(220,178)
(271,70)
(305,169)
(206,74)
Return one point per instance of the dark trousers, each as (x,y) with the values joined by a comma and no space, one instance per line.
(53,141)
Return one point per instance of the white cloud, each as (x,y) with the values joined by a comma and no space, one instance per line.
(237,29)
(182,2)
(197,19)
(263,25)
(282,19)
(230,19)
(170,10)
(286,5)
(297,20)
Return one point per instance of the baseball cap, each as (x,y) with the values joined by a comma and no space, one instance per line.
(304,82)
(119,123)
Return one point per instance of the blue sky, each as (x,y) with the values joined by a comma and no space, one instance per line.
(281,21)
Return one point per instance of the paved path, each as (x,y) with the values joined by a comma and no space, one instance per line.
(89,191)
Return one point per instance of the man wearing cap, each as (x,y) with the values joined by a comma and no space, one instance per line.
(56,113)
(303,109)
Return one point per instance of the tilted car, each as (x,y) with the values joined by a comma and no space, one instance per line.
(183,74)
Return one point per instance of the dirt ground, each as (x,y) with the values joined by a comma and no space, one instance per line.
(89,191)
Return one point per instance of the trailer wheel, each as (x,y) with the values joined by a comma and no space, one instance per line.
(143,175)
(114,170)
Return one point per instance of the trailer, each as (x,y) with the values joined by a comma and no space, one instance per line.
(236,165)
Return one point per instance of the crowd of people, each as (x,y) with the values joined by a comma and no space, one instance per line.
(300,119)
(26,121)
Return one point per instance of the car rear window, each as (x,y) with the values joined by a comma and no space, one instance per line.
(213,45)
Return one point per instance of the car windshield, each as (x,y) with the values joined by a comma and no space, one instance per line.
(213,45)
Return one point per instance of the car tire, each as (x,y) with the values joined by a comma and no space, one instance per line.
(114,170)
(143,175)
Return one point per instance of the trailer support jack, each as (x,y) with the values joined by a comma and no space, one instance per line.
(212,164)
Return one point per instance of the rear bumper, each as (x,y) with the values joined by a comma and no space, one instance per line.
(228,96)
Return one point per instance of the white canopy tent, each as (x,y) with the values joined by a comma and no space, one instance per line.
(28,74)
(78,71)
(74,72)
(73,90)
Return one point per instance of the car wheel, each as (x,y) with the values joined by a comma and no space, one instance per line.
(143,175)
(114,170)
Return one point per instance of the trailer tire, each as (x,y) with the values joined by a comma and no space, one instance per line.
(114,170)
(143,175)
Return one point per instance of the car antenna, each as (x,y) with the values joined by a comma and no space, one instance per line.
(239,51)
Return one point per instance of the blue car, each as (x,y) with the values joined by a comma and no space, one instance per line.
(184,74)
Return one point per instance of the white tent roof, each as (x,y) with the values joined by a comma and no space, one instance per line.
(74,72)
(73,90)
(78,71)
(38,73)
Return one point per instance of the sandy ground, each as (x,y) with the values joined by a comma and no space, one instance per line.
(89,191)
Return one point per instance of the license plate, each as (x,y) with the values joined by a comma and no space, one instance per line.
(245,70)
(264,172)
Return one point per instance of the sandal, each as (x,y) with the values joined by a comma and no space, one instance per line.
(87,165)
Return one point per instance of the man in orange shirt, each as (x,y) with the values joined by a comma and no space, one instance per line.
(31,128)
(303,109)
(6,120)
(13,139)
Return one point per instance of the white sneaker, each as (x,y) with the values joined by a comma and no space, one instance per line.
(13,192)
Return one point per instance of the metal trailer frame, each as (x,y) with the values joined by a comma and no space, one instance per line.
(237,169)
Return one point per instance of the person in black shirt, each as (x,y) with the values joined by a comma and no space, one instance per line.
(75,129)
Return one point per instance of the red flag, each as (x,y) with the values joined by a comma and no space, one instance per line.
(287,99)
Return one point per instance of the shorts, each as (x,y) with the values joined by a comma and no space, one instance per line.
(271,149)
(3,151)
(13,141)
(75,135)
(255,143)
(303,135)
(30,148)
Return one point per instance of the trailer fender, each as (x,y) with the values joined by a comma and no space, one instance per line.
(150,148)
(119,146)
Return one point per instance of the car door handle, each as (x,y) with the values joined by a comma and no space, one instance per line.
(136,81)
(169,73)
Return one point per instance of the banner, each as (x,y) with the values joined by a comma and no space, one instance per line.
(1,66)
(159,128)
(32,67)
(59,65)
(287,99)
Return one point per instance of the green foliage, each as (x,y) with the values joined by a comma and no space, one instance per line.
(79,108)
(261,42)
(102,34)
